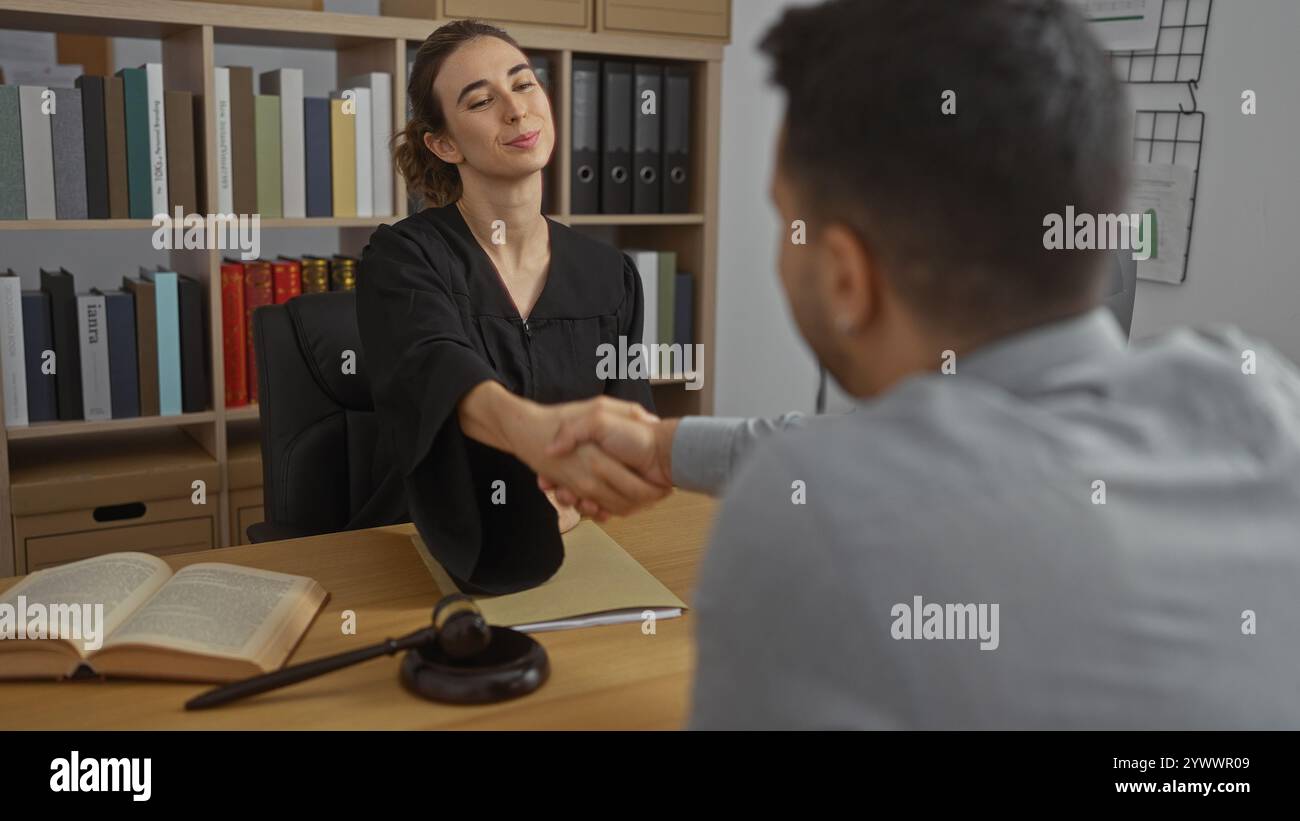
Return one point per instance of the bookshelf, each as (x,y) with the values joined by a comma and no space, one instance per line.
(190,34)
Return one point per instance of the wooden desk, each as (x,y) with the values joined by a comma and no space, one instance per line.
(601,677)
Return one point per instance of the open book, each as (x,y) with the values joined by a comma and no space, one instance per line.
(598,583)
(127,614)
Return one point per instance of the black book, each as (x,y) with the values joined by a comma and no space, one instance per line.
(67,345)
(683,310)
(616,137)
(194,348)
(316,148)
(94,125)
(38,337)
(123,368)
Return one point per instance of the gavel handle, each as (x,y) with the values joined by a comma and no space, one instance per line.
(292,675)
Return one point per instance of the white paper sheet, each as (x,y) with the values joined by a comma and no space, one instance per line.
(1124,25)
(1166,190)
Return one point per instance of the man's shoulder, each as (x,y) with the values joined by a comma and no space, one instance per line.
(853,458)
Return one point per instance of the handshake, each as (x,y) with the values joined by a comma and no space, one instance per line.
(598,456)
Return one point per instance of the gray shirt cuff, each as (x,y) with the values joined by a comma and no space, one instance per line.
(708,449)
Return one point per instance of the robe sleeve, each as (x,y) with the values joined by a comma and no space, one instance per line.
(631,317)
(421,364)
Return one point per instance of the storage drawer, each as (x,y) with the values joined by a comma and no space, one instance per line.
(158,527)
(298,5)
(573,14)
(131,466)
(688,18)
(245,510)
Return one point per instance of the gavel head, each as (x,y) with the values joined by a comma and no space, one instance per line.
(462,630)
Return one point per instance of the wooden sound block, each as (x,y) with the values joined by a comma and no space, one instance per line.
(513,665)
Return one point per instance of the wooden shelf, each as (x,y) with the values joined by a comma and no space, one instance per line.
(254,25)
(631,219)
(328,222)
(48,430)
(76,225)
(242,412)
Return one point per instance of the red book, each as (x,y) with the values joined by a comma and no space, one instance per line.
(257,292)
(234,351)
(287,275)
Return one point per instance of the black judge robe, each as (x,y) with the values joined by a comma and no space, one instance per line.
(436,320)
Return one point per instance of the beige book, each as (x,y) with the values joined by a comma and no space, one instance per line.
(597,583)
(343,160)
(205,622)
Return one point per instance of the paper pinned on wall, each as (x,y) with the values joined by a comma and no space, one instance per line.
(1124,25)
(1166,192)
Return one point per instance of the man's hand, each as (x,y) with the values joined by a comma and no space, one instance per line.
(642,443)
(584,469)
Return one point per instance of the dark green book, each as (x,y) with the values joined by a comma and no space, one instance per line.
(13,190)
(135,109)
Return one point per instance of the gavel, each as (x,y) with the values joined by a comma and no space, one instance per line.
(459,633)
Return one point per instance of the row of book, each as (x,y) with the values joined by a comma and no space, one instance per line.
(138,350)
(141,350)
(631,137)
(248,285)
(112,147)
(124,147)
(669,299)
(281,154)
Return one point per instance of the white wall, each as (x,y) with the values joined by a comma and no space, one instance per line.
(1244,266)
(1245,252)
(761,366)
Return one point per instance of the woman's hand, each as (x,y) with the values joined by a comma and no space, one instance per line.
(569,515)
(642,445)
(586,470)
(491,414)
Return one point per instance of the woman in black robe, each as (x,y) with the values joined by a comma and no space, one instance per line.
(483,321)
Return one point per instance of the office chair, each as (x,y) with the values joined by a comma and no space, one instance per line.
(319,428)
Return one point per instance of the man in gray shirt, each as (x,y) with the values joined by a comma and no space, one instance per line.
(1023,522)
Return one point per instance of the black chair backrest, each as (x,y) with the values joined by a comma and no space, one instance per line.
(1122,290)
(319,429)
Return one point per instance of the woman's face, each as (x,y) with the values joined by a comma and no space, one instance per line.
(498,118)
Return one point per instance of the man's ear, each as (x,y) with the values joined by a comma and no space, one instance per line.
(443,148)
(847,278)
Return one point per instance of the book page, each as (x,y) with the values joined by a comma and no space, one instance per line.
(120,582)
(216,610)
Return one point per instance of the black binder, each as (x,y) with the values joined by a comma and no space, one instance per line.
(67,344)
(646,188)
(677,139)
(194,345)
(616,139)
(585,183)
